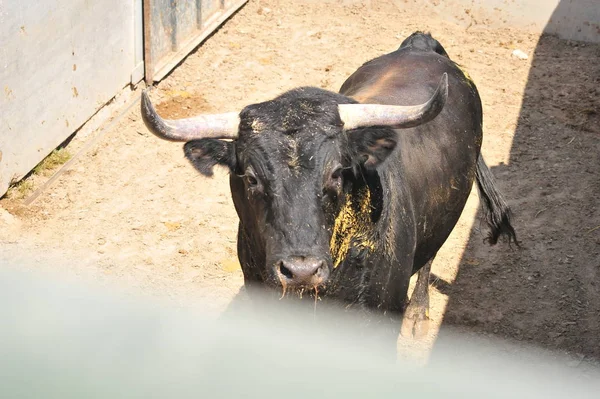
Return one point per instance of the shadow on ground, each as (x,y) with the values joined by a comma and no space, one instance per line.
(548,291)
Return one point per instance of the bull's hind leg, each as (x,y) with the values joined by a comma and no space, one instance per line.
(415,322)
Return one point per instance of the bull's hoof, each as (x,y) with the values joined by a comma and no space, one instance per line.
(415,324)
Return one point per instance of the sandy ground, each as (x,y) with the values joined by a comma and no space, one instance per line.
(133,213)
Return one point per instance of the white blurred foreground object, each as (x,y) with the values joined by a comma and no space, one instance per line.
(68,341)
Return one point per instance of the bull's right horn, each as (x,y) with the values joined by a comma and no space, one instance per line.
(397,116)
(217,126)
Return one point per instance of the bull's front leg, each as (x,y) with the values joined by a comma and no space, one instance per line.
(415,322)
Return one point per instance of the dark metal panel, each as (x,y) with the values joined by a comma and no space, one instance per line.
(173,28)
(210,7)
(185,14)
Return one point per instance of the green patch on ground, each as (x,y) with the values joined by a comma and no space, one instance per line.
(20,190)
(55,159)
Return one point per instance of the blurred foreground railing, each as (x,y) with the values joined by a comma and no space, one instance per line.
(60,340)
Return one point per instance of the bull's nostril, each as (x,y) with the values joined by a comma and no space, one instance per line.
(319,272)
(285,271)
(301,271)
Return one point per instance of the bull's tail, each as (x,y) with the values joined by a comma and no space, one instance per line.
(496,212)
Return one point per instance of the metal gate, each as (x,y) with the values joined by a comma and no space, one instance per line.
(173,28)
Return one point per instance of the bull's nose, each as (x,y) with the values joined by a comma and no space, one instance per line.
(302,271)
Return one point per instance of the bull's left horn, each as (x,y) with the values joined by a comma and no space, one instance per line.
(396,116)
(218,126)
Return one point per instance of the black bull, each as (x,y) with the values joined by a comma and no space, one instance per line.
(348,205)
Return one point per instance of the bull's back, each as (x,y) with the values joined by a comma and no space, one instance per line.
(434,163)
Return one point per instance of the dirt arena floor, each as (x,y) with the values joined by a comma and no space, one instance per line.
(131,212)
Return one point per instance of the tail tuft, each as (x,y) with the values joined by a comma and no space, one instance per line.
(496,212)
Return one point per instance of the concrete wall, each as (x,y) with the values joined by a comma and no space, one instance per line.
(60,61)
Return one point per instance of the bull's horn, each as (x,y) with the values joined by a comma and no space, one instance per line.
(218,126)
(397,116)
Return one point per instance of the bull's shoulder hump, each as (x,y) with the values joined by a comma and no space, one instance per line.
(405,78)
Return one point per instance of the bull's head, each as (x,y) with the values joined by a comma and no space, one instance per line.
(293,162)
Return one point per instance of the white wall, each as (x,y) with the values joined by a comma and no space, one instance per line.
(60,61)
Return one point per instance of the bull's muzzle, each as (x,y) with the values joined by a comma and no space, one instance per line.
(302,271)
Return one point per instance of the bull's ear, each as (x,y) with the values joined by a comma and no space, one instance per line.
(372,145)
(204,154)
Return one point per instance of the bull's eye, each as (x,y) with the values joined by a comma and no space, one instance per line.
(249,177)
(336,175)
(333,185)
(251,181)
